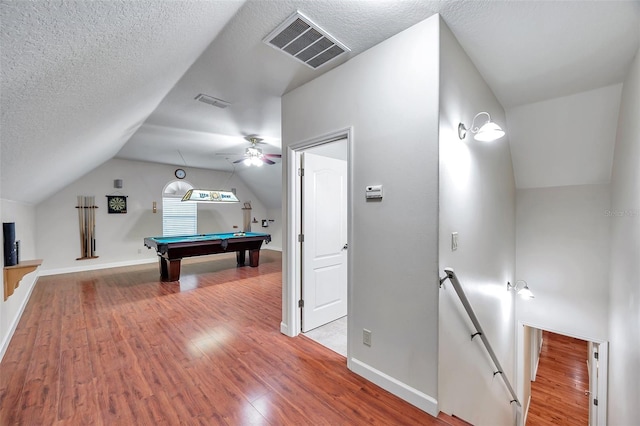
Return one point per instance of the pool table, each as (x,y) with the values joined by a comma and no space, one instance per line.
(171,250)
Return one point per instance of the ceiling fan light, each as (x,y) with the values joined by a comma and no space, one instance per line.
(489,132)
(247,161)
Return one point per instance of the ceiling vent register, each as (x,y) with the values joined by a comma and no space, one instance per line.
(301,38)
(212,101)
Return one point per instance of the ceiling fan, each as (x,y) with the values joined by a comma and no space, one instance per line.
(253,156)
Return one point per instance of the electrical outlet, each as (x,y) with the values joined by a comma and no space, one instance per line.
(139,251)
(454,241)
(366,337)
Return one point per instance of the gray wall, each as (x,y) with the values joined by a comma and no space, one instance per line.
(389,95)
(477,200)
(563,254)
(624,279)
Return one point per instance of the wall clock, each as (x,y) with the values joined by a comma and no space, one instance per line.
(180,173)
(116,204)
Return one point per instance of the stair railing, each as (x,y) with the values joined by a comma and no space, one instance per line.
(479,332)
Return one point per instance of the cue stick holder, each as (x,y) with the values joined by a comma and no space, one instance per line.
(246,217)
(87,226)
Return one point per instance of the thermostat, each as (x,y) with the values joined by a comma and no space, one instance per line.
(374,192)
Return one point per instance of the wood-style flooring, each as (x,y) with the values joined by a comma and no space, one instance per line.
(119,347)
(557,395)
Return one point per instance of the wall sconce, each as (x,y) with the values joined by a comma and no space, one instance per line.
(524,291)
(488,132)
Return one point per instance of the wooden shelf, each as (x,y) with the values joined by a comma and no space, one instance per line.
(13,275)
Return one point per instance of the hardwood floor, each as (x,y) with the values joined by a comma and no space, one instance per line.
(557,395)
(118,347)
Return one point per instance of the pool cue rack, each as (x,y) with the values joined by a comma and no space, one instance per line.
(87,226)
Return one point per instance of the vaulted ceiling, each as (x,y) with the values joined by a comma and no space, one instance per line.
(83,82)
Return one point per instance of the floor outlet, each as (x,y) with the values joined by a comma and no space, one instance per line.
(366,337)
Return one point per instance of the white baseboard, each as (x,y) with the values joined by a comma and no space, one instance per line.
(284,328)
(96,266)
(526,412)
(411,395)
(89,267)
(16,320)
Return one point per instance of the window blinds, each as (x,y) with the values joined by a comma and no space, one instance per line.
(179,218)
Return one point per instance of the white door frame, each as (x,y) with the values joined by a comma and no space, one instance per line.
(603,375)
(292,284)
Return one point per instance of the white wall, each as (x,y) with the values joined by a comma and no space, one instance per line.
(10,310)
(477,200)
(563,255)
(528,340)
(624,278)
(275,229)
(119,237)
(389,94)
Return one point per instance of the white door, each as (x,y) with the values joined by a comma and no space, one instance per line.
(594,370)
(324,250)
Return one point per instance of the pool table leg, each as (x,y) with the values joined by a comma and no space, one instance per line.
(169,269)
(240,256)
(254,257)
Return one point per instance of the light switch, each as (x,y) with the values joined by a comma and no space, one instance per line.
(454,241)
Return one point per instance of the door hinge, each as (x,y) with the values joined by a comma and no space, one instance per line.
(301,305)
(301,238)
(595,355)
(300,171)
(595,401)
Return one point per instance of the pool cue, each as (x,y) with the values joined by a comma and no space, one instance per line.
(81,224)
(92,211)
(84,226)
(90,226)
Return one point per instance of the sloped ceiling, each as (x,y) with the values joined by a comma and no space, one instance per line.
(84,81)
(79,78)
(565,141)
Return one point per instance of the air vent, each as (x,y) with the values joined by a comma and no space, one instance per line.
(212,101)
(301,38)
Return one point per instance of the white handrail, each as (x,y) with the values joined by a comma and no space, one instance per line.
(479,332)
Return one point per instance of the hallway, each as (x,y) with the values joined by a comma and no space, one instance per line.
(557,395)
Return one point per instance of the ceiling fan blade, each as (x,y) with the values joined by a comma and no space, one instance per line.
(273,155)
(267,161)
(239,161)
(229,153)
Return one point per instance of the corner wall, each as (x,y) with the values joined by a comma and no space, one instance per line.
(11,309)
(477,200)
(624,278)
(389,96)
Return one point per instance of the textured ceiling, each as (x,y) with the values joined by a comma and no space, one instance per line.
(79,78)
(84,81)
